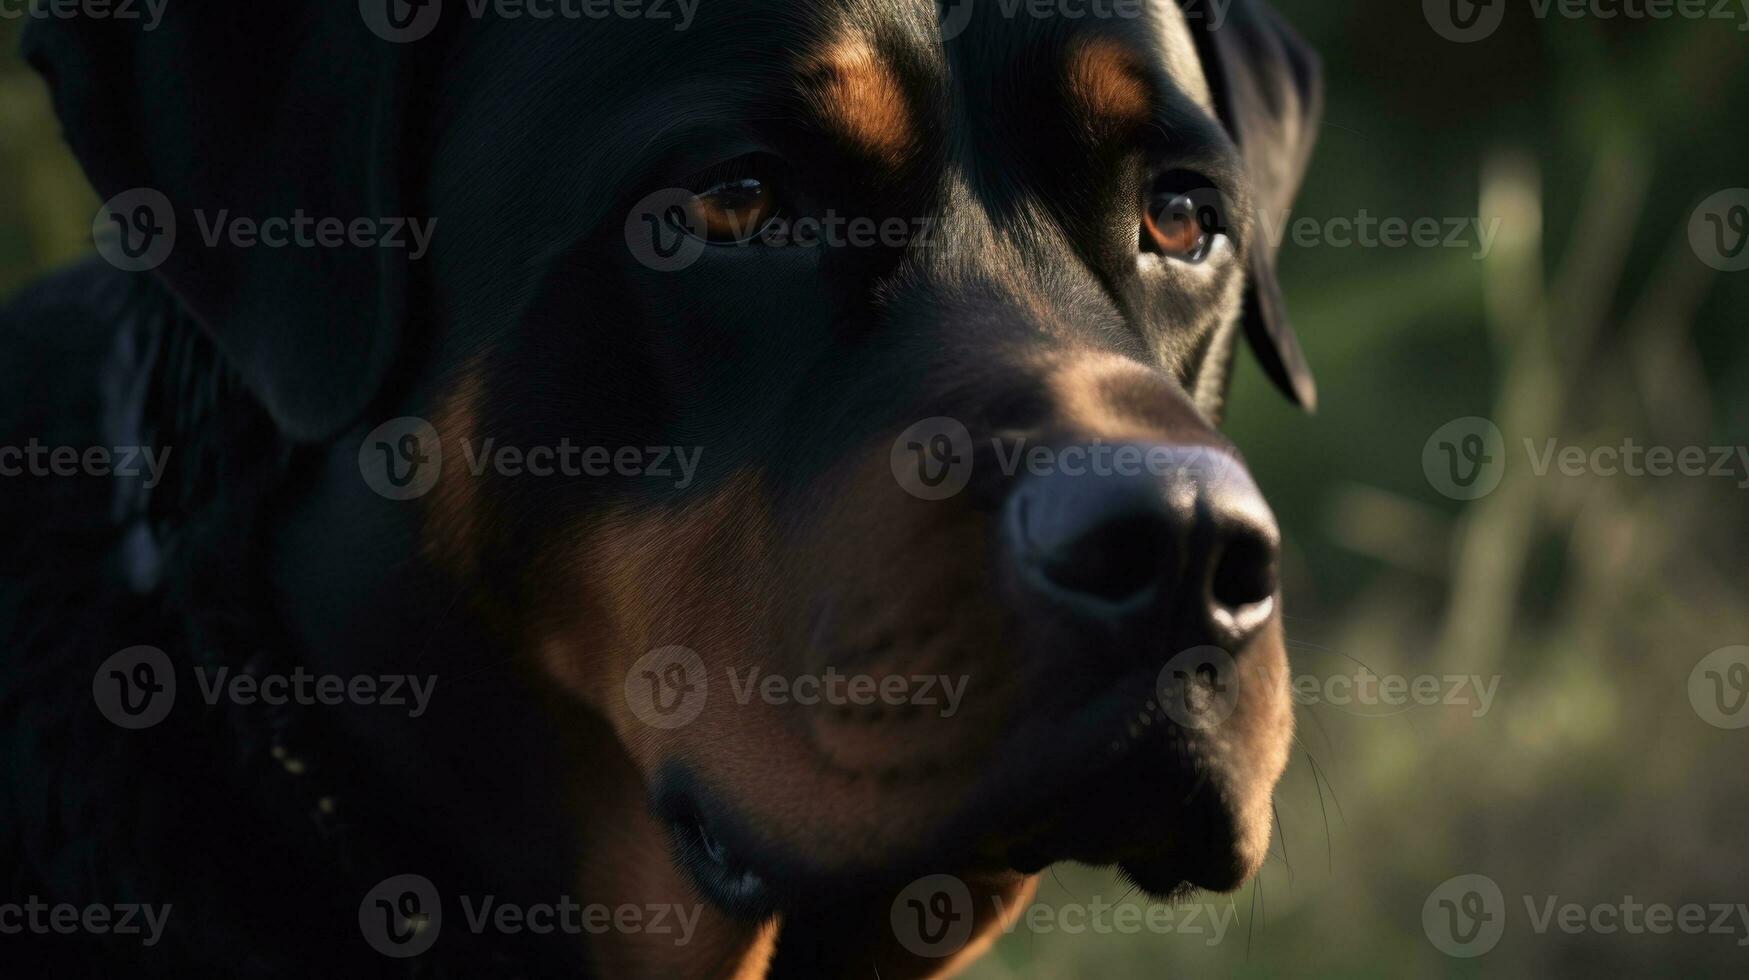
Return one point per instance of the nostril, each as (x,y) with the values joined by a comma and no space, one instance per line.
(1189,531)
(1245,573)
(1107,541)
(1118,560)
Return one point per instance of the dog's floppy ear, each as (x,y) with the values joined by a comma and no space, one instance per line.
(254,110)
(1268,89)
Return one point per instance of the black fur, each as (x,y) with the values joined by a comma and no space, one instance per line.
(260,371)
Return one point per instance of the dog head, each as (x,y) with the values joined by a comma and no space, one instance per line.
(861,367)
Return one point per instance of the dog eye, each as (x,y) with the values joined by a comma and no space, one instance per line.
(1172,229)
(734,211)
(1182,219)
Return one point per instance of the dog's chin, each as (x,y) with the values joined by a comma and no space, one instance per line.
(1168,816)
(1195,852)
(1165,845)
(1173,809)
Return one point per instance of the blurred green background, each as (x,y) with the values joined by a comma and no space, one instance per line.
(1589,600)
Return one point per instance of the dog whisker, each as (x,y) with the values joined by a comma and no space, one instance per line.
(1282,834)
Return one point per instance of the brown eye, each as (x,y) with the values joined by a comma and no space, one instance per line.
(734,211)
(1173,226)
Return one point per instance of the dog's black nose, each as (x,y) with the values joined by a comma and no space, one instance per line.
(1119,531)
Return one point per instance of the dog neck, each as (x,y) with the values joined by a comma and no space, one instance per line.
(264,805)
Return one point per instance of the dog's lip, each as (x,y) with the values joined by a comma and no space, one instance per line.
(1151,757)
(1049,771)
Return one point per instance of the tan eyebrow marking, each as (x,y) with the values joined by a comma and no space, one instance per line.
(1106,80)
(856,94)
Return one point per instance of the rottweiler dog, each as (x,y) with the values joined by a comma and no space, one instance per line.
(731,492)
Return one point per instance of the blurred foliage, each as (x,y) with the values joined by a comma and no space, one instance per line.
(1591,598)
(46,211)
